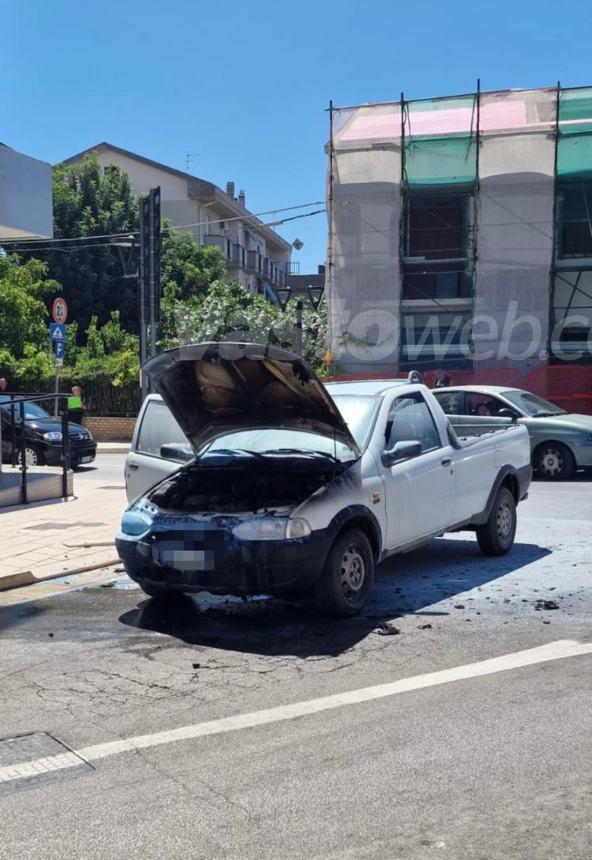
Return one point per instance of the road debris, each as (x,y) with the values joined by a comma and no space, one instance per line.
(386,628)
(546,604)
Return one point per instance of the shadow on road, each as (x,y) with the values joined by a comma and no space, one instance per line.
(407,584)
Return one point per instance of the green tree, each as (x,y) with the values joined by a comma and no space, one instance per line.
(189,270)
(89,200)
(229,312)
(24,293)
(110,354)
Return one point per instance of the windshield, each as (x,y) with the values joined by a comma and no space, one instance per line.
(357,411)
(32,410)
(532,404)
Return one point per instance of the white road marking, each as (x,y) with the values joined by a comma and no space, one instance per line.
(543,654)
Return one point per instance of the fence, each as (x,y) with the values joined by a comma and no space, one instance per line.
(570,386)
(100,396)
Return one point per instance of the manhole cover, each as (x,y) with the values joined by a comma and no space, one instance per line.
(27,761)
(47,527)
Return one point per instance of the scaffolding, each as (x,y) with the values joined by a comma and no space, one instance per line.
(452,208)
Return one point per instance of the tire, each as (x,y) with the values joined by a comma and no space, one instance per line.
(496,536)
(347,580)
(33,456)
(553,461)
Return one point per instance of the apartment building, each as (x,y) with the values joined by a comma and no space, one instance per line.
(458,224)
(256,255)
(25,196)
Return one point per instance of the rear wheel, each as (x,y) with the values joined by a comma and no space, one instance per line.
(33,456)
(554,461)
(496,536)
(346,583)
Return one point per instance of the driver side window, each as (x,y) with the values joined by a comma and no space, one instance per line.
(482,405)
(410,420)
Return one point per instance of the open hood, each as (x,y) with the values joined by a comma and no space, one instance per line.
(218,388)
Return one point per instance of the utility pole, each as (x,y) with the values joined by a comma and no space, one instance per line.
(154,266)
(149,276)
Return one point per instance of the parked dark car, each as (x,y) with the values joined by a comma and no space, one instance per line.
(43,436)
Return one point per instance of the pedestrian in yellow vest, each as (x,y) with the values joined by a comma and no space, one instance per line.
(75,405)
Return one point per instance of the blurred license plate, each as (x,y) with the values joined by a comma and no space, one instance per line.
(186,559)
(87,459)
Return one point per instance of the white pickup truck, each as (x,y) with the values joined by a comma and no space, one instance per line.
(298,489)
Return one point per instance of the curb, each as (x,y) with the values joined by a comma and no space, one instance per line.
(113,448)
(20,580)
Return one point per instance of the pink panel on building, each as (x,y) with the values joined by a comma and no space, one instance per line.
(507,114)
(372,126)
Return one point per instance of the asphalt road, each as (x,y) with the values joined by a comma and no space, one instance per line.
(458,764)
(106,467)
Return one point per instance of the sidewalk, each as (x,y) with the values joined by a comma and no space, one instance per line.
(57,538)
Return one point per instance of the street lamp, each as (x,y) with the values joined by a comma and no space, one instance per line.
(314,295)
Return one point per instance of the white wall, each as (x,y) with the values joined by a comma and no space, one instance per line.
(25,195)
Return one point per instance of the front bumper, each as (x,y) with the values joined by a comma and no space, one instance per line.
(198,557)
(79,451)
(583,455)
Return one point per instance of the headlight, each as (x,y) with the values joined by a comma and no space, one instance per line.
(272,528)
(135,522)
(588,439)
(53,436)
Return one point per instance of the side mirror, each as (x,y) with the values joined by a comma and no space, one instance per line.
(401,451)
(508,413)
(172,451)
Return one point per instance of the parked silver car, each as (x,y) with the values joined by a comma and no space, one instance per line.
(158,447)
(561,442)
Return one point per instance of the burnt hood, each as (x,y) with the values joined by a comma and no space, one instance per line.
(218,388)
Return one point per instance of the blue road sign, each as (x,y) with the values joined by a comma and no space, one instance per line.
(58,348)
(57,332)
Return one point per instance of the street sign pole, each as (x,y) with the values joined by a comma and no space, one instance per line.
(58,369)
(57,334)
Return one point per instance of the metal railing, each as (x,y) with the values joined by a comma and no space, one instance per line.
(16,406)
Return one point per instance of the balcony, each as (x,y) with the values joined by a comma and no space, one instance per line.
(237,255)
(219,241)
(254,262)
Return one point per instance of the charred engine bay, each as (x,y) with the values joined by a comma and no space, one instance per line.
(240,484)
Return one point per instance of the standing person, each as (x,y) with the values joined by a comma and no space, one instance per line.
(75,405)
(3,384)
(443,380)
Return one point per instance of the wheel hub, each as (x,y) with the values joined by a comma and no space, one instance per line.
(552,461)
(504,521)
(353,571)
(30,457)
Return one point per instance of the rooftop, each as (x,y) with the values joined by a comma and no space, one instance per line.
(197,189)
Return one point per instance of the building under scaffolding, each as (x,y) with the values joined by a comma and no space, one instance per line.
(459,223)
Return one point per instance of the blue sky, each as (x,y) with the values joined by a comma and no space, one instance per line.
(245,84)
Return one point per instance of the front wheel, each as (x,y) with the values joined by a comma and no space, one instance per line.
(496,536)
(346,583)
(554,461)
(33,456)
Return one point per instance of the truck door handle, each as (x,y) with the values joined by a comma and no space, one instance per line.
(133,465)
(446,461)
